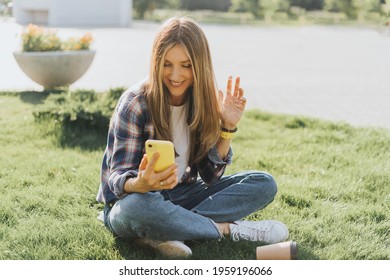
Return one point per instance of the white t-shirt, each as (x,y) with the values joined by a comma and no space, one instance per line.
(181,137)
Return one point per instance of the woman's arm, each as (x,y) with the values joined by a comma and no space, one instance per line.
(125,142)
(231,107)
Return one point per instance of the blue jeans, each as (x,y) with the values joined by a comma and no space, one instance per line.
(189,212)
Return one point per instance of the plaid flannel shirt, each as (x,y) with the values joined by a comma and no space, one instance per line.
(131,126)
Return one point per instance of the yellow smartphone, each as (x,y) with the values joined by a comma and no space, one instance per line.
(166,151)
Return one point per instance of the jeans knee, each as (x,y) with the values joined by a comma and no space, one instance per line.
(265,183)
(133,214)
(138,206)
(271,184)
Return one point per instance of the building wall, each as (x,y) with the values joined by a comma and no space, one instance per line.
(31,11)
(104,13)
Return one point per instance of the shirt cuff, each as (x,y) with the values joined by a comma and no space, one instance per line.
(119,183)
(215,158)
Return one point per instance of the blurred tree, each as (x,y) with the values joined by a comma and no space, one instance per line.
(5,7)
(363,7)
(353,8)
(340,6)
(173,4)
(261,8)
(245,6)
(386,9)
(308,5)
(268,8)
(142,6)
(216,5)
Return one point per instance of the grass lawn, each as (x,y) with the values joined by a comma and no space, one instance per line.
(334,188)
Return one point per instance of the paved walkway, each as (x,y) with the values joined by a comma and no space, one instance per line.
(334,73)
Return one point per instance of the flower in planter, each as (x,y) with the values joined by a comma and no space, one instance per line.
(37,39)
(78,44)
(50,61)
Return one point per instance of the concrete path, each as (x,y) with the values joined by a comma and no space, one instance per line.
(332,73)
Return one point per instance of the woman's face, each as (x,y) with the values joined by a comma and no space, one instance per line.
(177,74)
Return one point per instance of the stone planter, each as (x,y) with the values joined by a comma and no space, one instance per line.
(55,68)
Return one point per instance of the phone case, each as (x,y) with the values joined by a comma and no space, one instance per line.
(166,151)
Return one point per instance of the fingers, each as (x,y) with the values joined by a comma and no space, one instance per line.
(152,180)
(241,97)
(149,174)
(229,85)
(167,172)
(170,182)
(151,163)
(237,87)
(143,163)
(238,92)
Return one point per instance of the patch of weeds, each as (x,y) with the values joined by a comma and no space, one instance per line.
(294,201)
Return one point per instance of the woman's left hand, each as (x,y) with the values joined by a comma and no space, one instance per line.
(231,104)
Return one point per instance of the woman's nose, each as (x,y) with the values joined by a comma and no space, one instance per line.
(175,73)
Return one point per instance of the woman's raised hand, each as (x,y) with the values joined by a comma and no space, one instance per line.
(231,104)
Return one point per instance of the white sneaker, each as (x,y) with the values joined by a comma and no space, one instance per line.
(100,217)
(268,231)
(170,249)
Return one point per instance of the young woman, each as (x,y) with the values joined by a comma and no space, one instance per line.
(190,199)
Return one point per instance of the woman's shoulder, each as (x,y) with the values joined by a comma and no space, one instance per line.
(136,91)
(133,99)
(138,87)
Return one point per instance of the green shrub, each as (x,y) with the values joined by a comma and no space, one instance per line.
(80,109)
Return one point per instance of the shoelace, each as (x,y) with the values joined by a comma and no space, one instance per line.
(247,233)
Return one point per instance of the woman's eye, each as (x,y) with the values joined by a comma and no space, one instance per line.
(187,65)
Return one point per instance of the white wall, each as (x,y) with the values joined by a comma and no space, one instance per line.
(104,13)
(90,13)
(31,11)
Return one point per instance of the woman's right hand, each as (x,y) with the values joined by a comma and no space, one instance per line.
(149,180)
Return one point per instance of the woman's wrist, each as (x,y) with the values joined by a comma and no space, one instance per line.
(224,129)
(228,126)
(227,133)
(129,185)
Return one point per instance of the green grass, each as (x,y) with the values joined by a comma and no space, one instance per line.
(334,188)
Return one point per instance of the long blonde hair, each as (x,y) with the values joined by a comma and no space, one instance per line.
(203,113)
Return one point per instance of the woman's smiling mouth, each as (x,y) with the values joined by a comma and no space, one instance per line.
(176,84)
